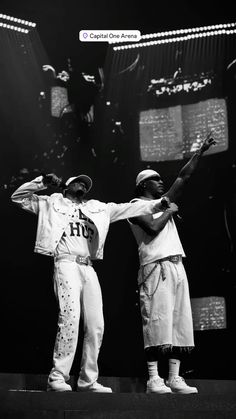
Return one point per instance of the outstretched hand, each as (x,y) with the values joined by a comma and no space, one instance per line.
(207,143)
(63,75)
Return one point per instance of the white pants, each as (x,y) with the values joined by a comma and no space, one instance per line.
(78,292)
(165,305)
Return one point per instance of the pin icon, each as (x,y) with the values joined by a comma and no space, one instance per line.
(85,35)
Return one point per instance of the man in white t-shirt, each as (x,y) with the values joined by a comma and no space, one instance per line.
(73,231)
(164,292)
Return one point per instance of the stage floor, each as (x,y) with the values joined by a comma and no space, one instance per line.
(24,397)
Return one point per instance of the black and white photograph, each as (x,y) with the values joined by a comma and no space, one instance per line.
(118,203)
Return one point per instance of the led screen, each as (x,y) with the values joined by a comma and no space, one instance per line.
(209,313)
(173,133)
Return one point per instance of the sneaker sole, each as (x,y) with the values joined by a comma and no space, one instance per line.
(87,390)
(185,391)
(159,392)
(58,391)
(100,391)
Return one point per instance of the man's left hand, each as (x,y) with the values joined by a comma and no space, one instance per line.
(207,143)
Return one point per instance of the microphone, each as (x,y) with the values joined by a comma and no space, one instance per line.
(166,204)
(61,185)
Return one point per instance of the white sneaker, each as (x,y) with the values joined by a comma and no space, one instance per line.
(157,385)
(96,388)
(58,385)
(178,385)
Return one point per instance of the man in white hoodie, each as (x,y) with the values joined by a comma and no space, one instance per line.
(73,231)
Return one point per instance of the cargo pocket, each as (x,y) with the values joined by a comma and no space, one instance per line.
(151,277)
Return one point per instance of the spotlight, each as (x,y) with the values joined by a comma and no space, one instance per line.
(198,34)
(19,21)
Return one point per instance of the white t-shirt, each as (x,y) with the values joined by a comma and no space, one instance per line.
(166,243)
(79,236)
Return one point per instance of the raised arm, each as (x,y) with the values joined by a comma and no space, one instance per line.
(185,173)
(25,196)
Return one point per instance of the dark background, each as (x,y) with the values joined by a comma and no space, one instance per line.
(31,142)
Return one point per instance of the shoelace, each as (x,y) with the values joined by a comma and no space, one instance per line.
(159,381)
(179,379)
